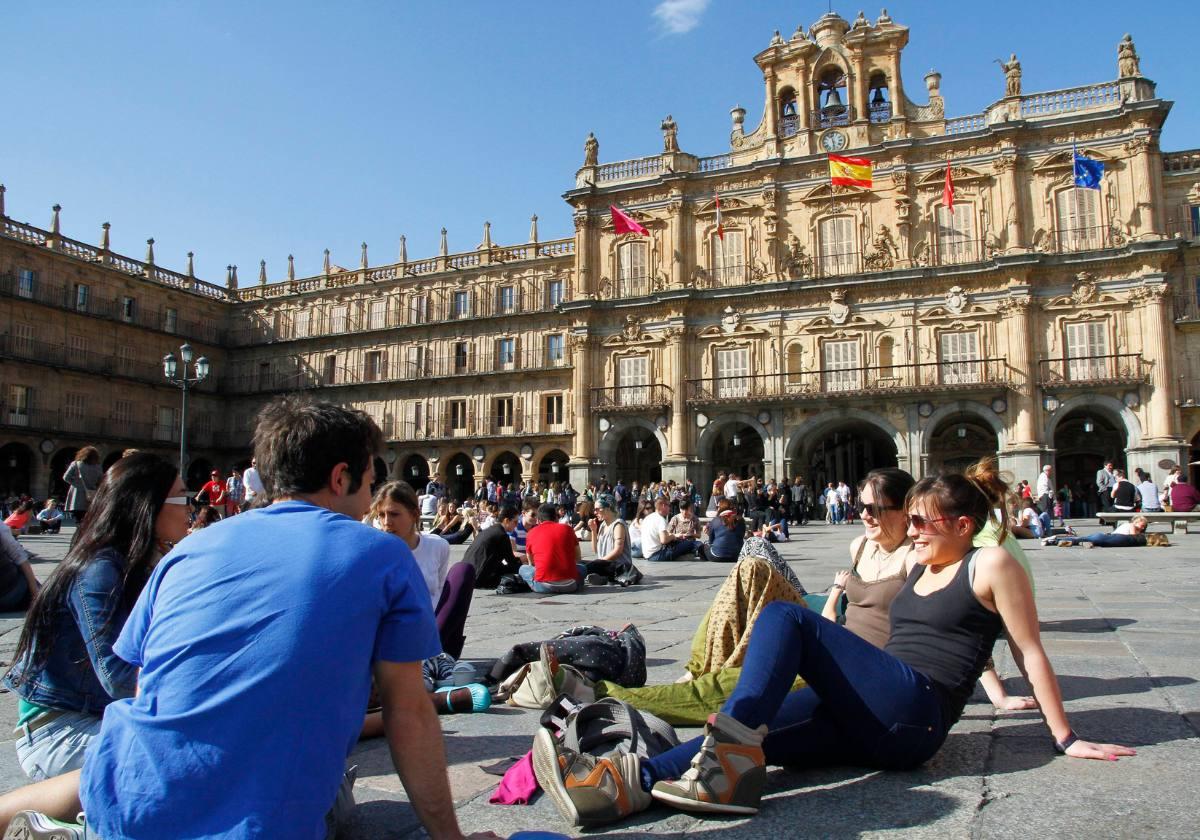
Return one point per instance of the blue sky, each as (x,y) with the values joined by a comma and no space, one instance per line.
(251,130)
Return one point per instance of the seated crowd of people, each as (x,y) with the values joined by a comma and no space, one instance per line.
(159,684)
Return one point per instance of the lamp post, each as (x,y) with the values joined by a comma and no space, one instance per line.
(184,382)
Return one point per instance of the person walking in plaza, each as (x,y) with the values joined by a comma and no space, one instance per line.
(885,709)
(316,604)
(82,478)
(554,561)
(66,670)
(255,492)
(1045,489)
(235,492)
(800,501)
(830,498)
(1106,479)
(212,494)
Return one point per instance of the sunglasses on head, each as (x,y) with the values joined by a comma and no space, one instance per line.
(874,510)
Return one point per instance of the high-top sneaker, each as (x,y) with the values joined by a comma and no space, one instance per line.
(726,776)
(588,789)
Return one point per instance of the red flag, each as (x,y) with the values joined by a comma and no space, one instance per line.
(624,223)
(948,192)
(720,224)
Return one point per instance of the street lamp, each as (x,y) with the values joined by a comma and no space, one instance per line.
(184,382)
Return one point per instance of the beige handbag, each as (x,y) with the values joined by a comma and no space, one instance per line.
(536,684)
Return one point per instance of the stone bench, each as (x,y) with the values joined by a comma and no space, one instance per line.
(1178,520)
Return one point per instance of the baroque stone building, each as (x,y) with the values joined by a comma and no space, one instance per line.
(828,330)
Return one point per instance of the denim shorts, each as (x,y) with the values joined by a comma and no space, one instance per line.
(58,747)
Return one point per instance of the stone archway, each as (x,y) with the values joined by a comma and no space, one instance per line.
(112,458)
(621,457)
(415,471)
(552,467)
(505,469)
(16,470)
(1192,470)
(381,472)
(958,434)
(750,455)
(844,445)
(198,473)
(1083,440)
(58,467)
(460,477)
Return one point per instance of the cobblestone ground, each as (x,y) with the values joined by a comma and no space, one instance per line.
(1121,626)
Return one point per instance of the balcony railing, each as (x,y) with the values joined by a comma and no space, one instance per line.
(1118,369)
(56,422)
(1187,306)
(1188,394)
(63,357)
(1087,239)
(832,115)
(631,398)
(969,375)
(880,112)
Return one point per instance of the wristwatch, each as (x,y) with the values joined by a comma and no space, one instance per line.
(1062,746)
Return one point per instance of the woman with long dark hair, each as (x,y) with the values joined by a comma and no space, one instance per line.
(65,671)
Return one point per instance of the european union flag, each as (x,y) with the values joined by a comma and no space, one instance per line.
(1088,172)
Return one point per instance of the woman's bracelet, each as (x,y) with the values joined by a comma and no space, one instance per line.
(1062,746)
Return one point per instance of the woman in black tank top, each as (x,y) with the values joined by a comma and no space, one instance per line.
(888,708)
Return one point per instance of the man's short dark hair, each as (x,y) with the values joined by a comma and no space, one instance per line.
(530,503)
(508,512)
(547,513)
(298,442)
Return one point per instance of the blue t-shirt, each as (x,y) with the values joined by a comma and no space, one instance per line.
(255,637)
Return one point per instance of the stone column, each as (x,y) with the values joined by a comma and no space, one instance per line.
(773,103)
(584,445)
(679,253)
(896,87)
(1157,347)
(1010,203)
(1147,170)
(586,275)
(1023,458)
(676,462)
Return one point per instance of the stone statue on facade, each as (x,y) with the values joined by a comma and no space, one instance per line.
(1127,59)
(797,263)
(591,150)
(670,135)
(1012,75)
(886,253)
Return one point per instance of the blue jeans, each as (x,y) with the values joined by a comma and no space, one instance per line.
(783,525)
(555,587)
(675,550)
(1104,540)
(58,747)
(862,706)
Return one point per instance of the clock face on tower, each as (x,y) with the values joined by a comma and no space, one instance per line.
(833,140)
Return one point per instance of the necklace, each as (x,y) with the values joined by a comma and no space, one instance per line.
(883,558)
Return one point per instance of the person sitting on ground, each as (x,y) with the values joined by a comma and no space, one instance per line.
(658,542)
(1184,497)
(1126,535)
(585,512)
(725,533)
(441,517)
(684,525)
(644,509)
(50,518)
(315,603)
(18,584)
(526,522)
(19,520)
(457,526)
(205,516)
(554,565)
(491,552)
(884,709)
(66,671)
(613,555)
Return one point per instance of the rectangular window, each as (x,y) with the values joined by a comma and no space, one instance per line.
(840,366)
(506,300)
(78,345)
(462,304)
(82,292)
(73,407)
(330,371)
(633,380)
(373,367)
(729,258)
(20,404)
(461,356)
(503,408)
(837,245)
(167,423)
(960,356)
(554,349)
(458,415)
(554,292)
(122,412)
(418,309)
(1087,351)
(125,359)
(26,283)
(264,375)
(554,411)
(377,315)
(415,364)
(733,368)
(1195,212)
(23,339)
(339,319)
(631,270)
(506,353)
(956,234)
(170,319)
(128,309)
(1079,220)
(300,323)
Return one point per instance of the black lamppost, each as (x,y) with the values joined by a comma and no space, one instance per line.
(184,382)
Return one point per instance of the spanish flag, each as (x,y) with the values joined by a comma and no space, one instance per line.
(849,171)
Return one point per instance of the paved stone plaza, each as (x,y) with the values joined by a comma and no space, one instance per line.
(1121,626)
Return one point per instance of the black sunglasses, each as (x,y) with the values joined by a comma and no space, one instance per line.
(875,511)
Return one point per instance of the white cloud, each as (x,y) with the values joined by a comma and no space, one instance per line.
(680,16)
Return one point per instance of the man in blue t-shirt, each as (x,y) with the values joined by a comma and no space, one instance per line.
(257,639)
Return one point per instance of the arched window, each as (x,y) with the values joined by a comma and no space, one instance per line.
(838,251)
(789,118)
(729,258)
(879,100)
(1078,218)
(887,357)
(831,99)
(632,272)
(795,364)
(956,234)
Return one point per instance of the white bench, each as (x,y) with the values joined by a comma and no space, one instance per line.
(1178,520)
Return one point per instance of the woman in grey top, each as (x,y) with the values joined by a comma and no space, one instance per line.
(82,477)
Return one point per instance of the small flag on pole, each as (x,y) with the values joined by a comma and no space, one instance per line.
(624,223)
(849,171)
(948,192)
(720,224)
(1088,172)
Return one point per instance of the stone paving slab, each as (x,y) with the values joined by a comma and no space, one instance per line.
(1121,626)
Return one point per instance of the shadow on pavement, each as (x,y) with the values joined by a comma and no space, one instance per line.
(1086,625)
(1077,688)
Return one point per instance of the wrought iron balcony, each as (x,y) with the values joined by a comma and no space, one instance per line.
(966,376)
(631,398)
(1093,371)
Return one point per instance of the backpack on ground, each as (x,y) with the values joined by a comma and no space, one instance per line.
(608,725)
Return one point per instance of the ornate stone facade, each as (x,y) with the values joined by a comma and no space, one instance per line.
(827,331)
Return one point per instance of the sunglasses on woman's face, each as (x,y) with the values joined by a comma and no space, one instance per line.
(175,500)
(873,510)
(922,524)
